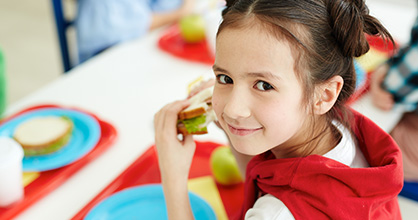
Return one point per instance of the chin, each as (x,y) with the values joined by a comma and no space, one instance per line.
(247,147)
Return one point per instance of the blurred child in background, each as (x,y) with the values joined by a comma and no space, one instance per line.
(101,24)
(396,83)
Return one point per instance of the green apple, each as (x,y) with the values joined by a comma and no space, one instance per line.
(224,167)
(192,28)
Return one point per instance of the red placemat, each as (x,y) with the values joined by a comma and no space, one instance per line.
(172,42)
(51,179)
(145,170)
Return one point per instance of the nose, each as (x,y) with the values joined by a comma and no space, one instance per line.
(238,105)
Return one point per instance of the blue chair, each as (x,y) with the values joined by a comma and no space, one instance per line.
(62,26)
(410,190)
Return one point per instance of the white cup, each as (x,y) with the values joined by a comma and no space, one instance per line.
(11,185)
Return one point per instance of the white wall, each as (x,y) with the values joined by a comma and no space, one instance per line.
(400,2)
(399,19)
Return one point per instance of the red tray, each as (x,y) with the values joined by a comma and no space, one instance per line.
(51,179)
(172,42)
(145,170)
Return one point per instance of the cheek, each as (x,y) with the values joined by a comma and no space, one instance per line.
(281,125)
(217,104)
(285,115)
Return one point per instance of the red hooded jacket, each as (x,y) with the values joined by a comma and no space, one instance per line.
(316,187)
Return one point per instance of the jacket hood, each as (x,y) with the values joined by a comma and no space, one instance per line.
(316,187)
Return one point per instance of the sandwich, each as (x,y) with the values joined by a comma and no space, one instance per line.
(43,135)
(198,115)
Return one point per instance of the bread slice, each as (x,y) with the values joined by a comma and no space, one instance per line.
(197,110)
(195,118)
(199,104)
(181,129)
(42,135)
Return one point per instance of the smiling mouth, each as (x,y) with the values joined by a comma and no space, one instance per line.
(242,131)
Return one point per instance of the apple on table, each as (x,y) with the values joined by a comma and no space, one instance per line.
(224,166)
(192,28)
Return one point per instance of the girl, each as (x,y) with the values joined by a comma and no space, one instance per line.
(284,70)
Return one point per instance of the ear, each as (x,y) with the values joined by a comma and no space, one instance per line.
(327,94)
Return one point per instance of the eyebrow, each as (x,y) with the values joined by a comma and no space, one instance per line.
(262,74)
(219,69)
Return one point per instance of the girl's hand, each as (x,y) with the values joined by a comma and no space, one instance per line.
(174,155)
(174,158)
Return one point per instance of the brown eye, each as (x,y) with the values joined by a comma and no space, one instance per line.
(224,79)
(263,86)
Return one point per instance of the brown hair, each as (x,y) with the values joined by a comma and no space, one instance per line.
(326,36)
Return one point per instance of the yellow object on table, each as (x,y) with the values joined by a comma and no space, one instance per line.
(372,59)
(29,177)
(206,188)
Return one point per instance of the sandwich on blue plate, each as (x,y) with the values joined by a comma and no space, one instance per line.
(44,134)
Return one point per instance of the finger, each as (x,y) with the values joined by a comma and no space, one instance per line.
(189,144)
(170,109)
(165,120)
(172,112)
(188,140)
(160,117)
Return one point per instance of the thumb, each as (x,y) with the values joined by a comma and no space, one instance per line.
(188,141)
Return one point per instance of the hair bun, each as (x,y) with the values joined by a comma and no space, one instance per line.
(347,20)
(229,4)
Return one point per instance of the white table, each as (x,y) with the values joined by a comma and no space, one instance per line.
(125,86)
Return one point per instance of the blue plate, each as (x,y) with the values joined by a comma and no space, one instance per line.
(144,202)
(86,134)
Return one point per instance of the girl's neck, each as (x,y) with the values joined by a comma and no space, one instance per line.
(323,139)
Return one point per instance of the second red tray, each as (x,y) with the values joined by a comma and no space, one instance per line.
(172,42)
(145,170)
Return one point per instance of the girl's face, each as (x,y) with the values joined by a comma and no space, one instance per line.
(257,96)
